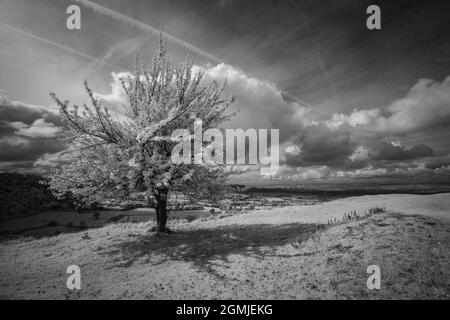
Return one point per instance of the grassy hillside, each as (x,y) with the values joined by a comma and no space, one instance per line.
(268,254)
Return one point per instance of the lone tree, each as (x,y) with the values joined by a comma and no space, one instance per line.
(117,154)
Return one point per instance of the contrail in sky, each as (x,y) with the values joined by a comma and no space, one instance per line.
(144,27)
(54,44)
(125,48)
(317,54)
(137,24)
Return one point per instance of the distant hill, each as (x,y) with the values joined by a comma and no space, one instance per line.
(23,194)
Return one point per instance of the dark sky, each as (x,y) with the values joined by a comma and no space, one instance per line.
(349,102)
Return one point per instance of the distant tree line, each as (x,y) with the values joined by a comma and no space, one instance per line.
(25,194)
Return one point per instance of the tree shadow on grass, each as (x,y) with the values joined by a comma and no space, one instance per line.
(206,248)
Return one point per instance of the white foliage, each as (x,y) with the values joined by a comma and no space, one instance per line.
(118,156)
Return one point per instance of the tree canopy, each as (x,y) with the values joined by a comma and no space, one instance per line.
(118,153)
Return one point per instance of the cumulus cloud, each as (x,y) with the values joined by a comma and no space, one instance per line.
(26,133)
(292,150)
(426,106)
(439,163)
(16,149)
(341,148)
(117,98)
(364,142)
(367,142)
(360,153)
(388,151)
(38,129)
(260,103)
(320,145)
(11,111)
(14,141)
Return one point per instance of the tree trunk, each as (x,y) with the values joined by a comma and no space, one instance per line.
(161,211)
